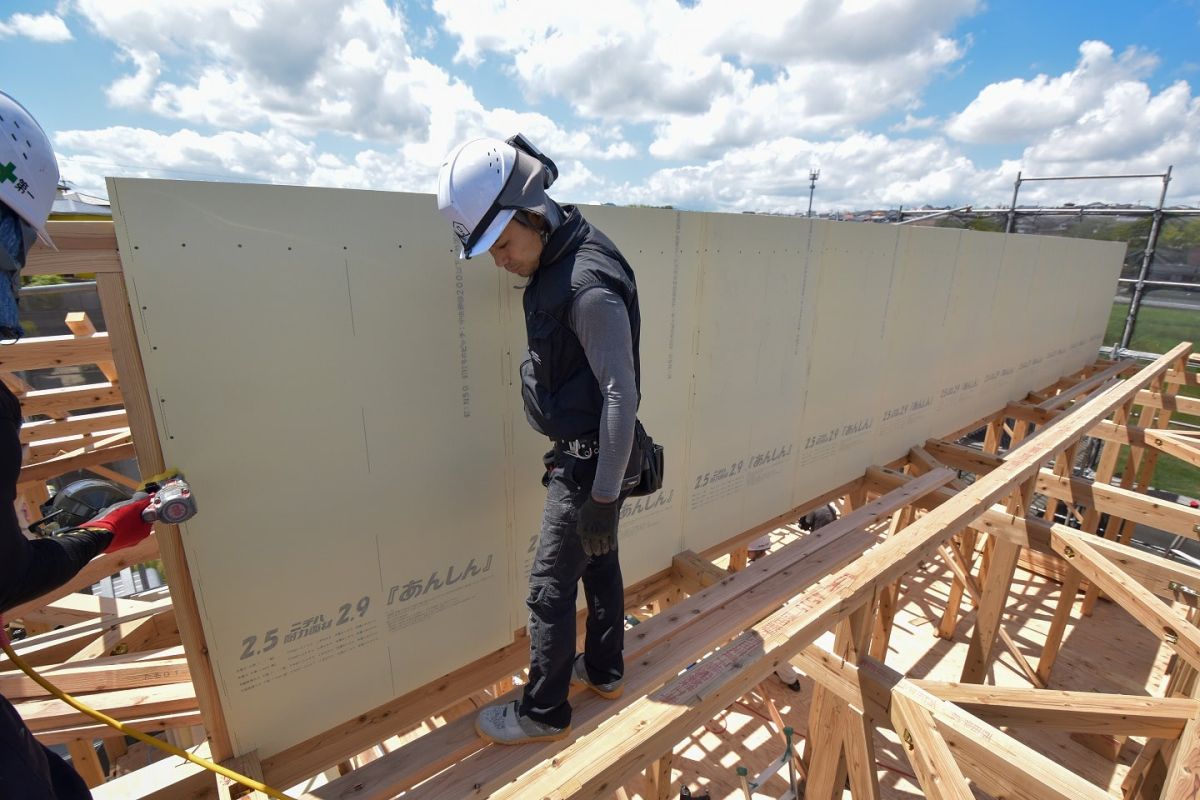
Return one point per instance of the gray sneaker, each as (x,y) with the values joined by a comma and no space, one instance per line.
(504,724)
(609,691)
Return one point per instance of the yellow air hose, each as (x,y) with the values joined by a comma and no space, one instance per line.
(128,731)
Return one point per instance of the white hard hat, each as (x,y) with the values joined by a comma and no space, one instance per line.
(28,171)
(484,182)
(469,183)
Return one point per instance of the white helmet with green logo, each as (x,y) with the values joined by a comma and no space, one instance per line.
(28,171)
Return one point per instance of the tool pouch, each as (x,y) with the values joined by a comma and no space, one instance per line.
(648,464)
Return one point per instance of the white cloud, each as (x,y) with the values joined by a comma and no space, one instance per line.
(860,171)
(912,123)
(718,74)
(45,27)
(298,66)
(1101,118)
(1016,110)
(86,156)
(309,67)
(739,99)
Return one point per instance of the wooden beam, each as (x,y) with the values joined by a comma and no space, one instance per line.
(78,459)
(693,574)
(97,569)
(1092,712)
(43,430)
(1099,379)
(1030,413)
(1172,402)
(41,352)
(937,771)
(72,608)
(1124,503)
(1183,378)
(59,402)
(42,715)
(1176,444)
(83,248)
(750,534)
(961,457)
(55,646)
(1162,576)
(99,675)
(81,327)
(114,303)
(149,633)
(1183,773)
(962,572)
(165,779)
(161,721)
(846,738)
(247,764)
(1003,766)
(86,762)
(1159,618)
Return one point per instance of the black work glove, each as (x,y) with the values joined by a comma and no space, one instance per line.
(598,526)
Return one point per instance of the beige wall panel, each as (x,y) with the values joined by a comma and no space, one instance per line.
(1013,306)
(1050,314)
(914,339)
(307,357)
(343,394)
(846,354)
(970,379)
(1098,266)
(748,375)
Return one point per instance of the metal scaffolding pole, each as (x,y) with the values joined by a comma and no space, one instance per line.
(1139,288)
(1012,209)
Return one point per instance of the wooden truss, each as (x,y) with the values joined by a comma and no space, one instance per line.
(719,632)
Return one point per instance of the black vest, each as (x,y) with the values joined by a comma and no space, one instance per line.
(561,395)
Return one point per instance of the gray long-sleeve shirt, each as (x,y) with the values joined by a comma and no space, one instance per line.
(601,323)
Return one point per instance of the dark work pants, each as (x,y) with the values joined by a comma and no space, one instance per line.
(553,585)
(30,771)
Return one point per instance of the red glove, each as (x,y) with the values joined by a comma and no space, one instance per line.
(124,521)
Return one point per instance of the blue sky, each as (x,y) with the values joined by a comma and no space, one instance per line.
(704,105)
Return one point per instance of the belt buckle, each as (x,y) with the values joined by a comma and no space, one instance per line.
(580,449)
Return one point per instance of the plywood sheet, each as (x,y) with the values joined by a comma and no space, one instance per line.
(329,380)
(746,393)
(342,392)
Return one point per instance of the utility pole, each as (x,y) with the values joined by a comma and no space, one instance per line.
(813,174)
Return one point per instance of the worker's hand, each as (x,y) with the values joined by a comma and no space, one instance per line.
(598,526)
(124,521)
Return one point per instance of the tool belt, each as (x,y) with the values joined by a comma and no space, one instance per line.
(650,469)
(581,449)
(643,475)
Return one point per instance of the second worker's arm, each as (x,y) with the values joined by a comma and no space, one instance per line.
(601,323)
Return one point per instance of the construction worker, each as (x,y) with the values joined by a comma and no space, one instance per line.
(581,386)
(29,569)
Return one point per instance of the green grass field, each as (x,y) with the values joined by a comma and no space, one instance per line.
(1157,331)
